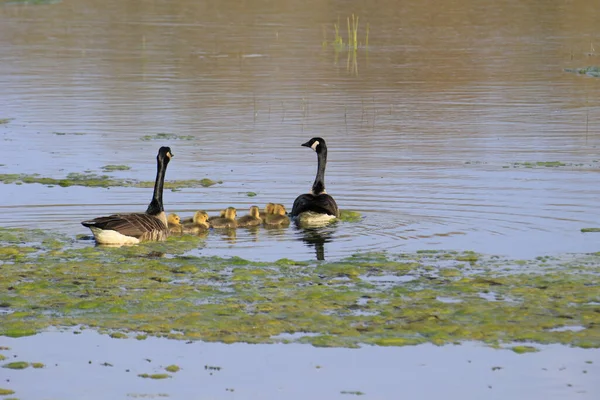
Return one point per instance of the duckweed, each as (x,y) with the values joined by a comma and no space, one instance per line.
(5,392)
(159,289)
(37,365)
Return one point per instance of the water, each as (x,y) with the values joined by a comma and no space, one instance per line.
(95,366)
(423,128)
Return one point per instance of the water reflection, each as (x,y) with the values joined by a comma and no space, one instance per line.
(317,237)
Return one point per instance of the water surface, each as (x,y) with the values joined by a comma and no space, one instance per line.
(424,125)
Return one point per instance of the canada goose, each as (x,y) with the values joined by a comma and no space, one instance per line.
(316,206)
(251,219)
(174,223)
(278,218)
(228,221)
(268,210)
(137,227)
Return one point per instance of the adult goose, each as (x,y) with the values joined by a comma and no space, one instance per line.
(316,207)
(133,228)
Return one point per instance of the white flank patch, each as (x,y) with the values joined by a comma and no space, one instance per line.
(112,237)
(313,219)
(314,145)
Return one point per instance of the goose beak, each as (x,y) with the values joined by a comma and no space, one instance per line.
(307,144)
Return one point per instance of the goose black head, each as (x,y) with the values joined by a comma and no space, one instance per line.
(164,153)
(316,143)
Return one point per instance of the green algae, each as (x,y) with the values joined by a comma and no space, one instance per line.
(172,368)
(16,365)
(2,357)
(89,179)
(524,349)
(158,289)
(350,216)
(585,230)
(167,136)
(155,376)
(5,392)
(37,365)
(4,121)
(112,167)
(593,71)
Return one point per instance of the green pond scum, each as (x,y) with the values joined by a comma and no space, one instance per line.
(159,289)
(90,179)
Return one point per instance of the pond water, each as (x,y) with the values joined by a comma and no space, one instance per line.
(452,126)
(425,125)
(93,366)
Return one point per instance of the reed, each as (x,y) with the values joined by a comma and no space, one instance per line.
(352,43)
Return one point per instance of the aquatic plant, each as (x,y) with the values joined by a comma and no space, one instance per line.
(167,136)
(95,180)
(111,168)
(593,71)
(352,43)
(158,289)
(4,121)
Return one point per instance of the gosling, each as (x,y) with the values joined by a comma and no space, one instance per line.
(278,218)
(228,221)
(252,219)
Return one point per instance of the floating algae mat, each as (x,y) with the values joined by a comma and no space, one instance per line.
(158,289)
(95,180)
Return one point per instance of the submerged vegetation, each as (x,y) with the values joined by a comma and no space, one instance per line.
(592,71)
(159,289)
(111,168)
(94,180)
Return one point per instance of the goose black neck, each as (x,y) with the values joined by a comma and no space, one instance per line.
(319,185)
(156,205)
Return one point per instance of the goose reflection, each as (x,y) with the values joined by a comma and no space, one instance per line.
(317,237)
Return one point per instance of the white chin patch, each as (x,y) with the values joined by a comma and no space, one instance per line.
(314,145)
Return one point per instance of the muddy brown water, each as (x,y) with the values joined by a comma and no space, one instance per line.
(423,125)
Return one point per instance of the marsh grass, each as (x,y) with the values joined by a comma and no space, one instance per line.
(352,43)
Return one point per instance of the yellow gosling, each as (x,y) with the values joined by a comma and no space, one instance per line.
(268,210)
(252,219)
(174,223)
(199,223)
(278,218)
(228,221)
